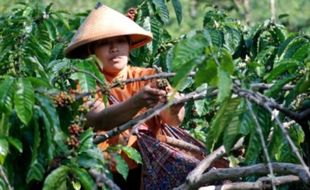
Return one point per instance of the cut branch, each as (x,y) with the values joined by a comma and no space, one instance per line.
(195,174)
(261,183)
(221,174)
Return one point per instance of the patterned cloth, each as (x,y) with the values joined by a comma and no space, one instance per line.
(164,166)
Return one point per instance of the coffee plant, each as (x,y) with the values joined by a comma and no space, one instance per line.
(256,82)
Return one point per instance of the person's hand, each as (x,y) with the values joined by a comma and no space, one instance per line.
(149,96)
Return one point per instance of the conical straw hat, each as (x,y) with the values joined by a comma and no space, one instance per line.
(104,22)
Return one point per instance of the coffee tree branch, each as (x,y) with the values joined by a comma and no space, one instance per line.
(261,183)
(198,94)
(221,174)
(195,174)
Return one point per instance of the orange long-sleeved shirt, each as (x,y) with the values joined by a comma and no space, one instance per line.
(122,94)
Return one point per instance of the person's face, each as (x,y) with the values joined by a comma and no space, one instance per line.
(113,53)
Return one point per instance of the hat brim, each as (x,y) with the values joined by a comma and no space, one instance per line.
(103,23)
(81,49)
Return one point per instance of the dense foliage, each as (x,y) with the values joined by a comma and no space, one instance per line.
(43,138)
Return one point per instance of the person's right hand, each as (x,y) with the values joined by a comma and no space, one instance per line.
(149,96)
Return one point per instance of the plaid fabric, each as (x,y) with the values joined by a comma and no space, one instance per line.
(164,166)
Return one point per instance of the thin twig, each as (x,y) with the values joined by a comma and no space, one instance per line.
(264,86)
(148,77)
(90,74)
(5,178)
(262,139)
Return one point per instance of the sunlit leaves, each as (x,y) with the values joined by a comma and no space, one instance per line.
(4,149)
(6,94)
(223,118)
(84,178)
(24,100)
(57,179)
(121,166)
(132,154)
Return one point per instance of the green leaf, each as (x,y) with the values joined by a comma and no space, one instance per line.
(187,50)
(51,28)
(162,10)
(278,85)
(84,178)
(222,119)
(178,10)
(302,52)
(214,37)
(253,148)
(24,100)
(6,93)
(87,80)
(232,131)
(181,76)
(39,82)
(91,158)
(232,39)
(200,106)
(121,166)
(36,171)
(207,73)
(293,47)
(86,140)
(303,84)
(156,28)
(4,149)
(52,125)
(132,154)
(226,61)
(281,67)
(57,178)
(224,85)
(16,143)
(246,123)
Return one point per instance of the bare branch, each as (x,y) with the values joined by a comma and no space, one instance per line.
(273,9)
(262,140)
(269,105)
(261,183)
(258,169)
(148,77)
(101,179)
(264,86)
(90,74)
(195,174)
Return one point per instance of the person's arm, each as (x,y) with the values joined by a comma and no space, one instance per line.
(106,118)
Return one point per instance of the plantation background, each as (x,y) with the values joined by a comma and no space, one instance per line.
(251,82)
(293,14)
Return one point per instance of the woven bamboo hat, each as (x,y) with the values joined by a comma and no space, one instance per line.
(104,22)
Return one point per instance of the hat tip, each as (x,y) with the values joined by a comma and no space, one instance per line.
(98,5)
